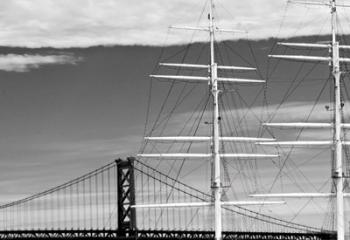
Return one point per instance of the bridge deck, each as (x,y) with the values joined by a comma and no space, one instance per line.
(159,235)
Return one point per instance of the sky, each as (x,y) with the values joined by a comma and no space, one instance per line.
(82,23)
(74,79)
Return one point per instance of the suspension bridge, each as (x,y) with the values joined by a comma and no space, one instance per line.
(100,203)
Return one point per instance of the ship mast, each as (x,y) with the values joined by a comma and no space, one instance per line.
(216,181)
(337,151)
(214,139)
(336,125)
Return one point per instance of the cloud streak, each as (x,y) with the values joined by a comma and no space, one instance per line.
(83,23)
(25,63)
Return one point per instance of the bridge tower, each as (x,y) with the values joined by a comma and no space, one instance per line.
(126,196)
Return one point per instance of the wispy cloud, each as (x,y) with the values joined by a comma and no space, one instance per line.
(83,23)
(24,63)
(252,118)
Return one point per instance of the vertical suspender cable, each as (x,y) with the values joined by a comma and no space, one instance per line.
(71,205)
(103,199)
(77,203)
(58,208)
(84,204)
(97,202)
(90,202)
(109,196)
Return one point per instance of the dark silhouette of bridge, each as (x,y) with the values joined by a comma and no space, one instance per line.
(99,205)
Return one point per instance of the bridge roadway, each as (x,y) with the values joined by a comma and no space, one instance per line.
(159,235)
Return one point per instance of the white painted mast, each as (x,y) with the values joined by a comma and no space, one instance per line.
(216,180)
(337,151)
(336,143)
(215,139)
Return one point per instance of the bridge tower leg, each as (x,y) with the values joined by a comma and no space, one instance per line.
(126,197)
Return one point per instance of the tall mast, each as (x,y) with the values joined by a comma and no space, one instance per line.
(216,181)
(214,139)
(337,151)
(334,59)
